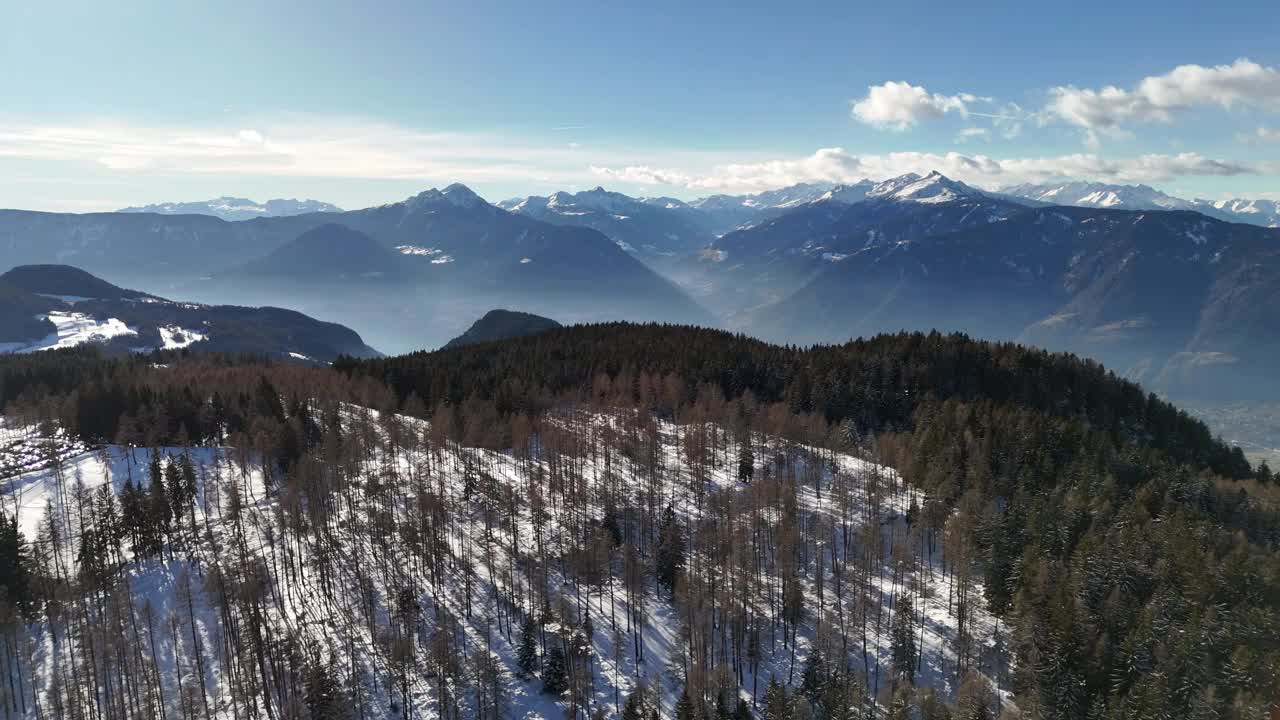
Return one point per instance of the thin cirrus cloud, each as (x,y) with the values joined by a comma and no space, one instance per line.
(298,148)
(835,165)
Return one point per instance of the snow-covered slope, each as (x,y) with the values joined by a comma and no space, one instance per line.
(61,306)
(327,570)
(1143,197)
(1099,195)
(1255,212)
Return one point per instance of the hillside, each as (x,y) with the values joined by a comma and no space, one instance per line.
(59,306)
(324,255)
(502,325)
(539,526)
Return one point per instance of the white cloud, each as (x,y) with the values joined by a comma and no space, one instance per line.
(900,105)
(1158,98)
(1261,135)
(296,146)
(973,133)
(835,165)
(336,148)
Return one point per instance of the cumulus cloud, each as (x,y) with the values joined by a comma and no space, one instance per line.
(1159,98)
(835,165)
(900,105)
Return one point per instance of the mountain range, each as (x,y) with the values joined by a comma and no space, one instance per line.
(45,307)
(1078,266)
(718,214)
(234,208)
(404,272)
(1143,197)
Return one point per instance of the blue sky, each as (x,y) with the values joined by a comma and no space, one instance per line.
(106,105)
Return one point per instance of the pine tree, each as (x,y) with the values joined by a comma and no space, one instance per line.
(813,678)
(746,462)
(325,699)
(742,711)
(634,707)
(15,579)
(777,703)
(669,559)
(722,708)
(842,697)
(528,655)
(903,641)
(555,675)
(684,706)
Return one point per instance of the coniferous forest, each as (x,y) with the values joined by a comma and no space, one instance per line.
(628,521)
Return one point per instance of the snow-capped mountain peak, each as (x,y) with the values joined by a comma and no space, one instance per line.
(462,196)
(932,188)
(1099,195)
(456,195)
(237,208)
(848,194)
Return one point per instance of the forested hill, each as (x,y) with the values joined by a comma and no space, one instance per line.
(619,518)
(877,384)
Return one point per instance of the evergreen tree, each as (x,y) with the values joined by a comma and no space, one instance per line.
(902,639)
(528,654)
(746,462)
(669,560)
(742,711)
(325,698)
(777,702)
(722,708)
(555,674)
(634,707)
(843,697)
(813,678)
(15,578)
(685,709)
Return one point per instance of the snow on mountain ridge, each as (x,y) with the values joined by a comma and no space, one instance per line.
(236,208)
(1144,197)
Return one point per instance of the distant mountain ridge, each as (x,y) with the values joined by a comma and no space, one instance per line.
(56,306)
(234,208)
(1178,300)
(646,229)
(1265,213)
(503,325)
(763,263)
(446,241)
